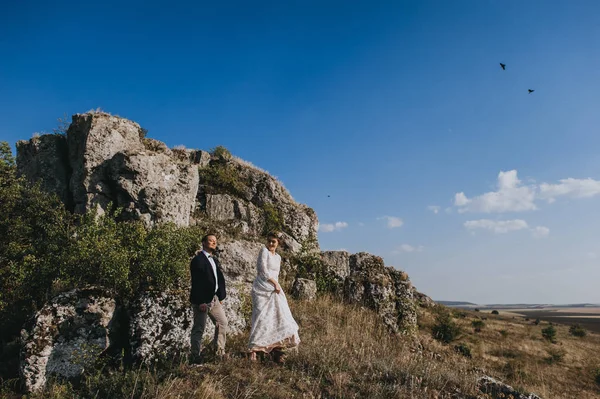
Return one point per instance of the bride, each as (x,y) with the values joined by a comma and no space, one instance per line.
(273,327)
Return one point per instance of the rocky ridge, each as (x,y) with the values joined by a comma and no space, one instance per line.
(103,160)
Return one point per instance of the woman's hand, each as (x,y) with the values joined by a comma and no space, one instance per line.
(277,288)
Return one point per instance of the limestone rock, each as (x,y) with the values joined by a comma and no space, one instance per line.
(238,260)
(45,159)
(499,389)
(93,140)
(383,289)
(153,187)
(159,326)
(67,335)
(161,322)
(304,289)
(337,263)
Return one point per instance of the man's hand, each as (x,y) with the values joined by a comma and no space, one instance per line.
(202,307)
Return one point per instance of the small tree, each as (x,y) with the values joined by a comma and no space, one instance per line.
(577,331)
(445,329)
(478,325)
(549,333)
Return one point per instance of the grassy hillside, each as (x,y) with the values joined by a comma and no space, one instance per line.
(346,352)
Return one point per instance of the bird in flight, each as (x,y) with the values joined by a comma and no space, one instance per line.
(530,91)
(503,66)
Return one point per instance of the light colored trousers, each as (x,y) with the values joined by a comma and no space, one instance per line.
(217,315)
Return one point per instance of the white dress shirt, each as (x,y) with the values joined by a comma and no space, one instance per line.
(214,267)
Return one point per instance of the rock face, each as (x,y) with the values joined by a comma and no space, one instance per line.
(67,335)
(243,197)
(384,289)
(337,263)
(94,139)
(153,187)
(45,159)
(105,159)
(238,260)
(304,289)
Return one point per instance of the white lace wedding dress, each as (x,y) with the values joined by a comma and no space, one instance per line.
(272,323)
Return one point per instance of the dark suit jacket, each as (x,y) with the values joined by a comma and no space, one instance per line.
(203,280)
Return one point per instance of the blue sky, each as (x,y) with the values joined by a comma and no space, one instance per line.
(388,107)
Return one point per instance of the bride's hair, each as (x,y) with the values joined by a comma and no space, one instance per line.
(277,235)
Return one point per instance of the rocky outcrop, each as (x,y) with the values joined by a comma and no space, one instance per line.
(245,198)
(45,159)
(93,140)
(304,289)
(152,187)
(238,260)
(384,289)
(337,263)
(67,335)
(498,389)
(105,159)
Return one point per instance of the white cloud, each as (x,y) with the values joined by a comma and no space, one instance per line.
(434,208)
(511,196)
(591,255)
(392,221)
(496,226)
(408,248)
(540,231)
(328,228)
(361,224)
(572,188)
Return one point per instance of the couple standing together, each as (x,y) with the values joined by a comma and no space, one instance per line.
(273,328)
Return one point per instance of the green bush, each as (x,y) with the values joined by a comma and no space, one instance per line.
(577,331)
(478,325)
(221,153)
(555,355)
(549,333)
(273,219)
(445,329)
(495,312)
(44,248)
(597,375)
(463,349)
(223,179)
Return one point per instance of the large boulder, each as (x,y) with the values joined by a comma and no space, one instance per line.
(160,323)
(304,289)
(153,187)
(336,263)
(45,159)
(93,140)
(383,289)
(238,260)
(67,335)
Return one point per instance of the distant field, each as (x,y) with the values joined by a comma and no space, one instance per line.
(588,318)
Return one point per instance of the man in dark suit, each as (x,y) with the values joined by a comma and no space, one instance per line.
(206,294)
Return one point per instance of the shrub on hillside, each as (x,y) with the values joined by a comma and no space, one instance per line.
(445,329)
(44,248)
(549,333)
(463,349)
(478,325)
(597,375)
(577,331)
(555,355)
(495,312)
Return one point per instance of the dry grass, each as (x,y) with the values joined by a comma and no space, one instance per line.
(515,351)
(347,353)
